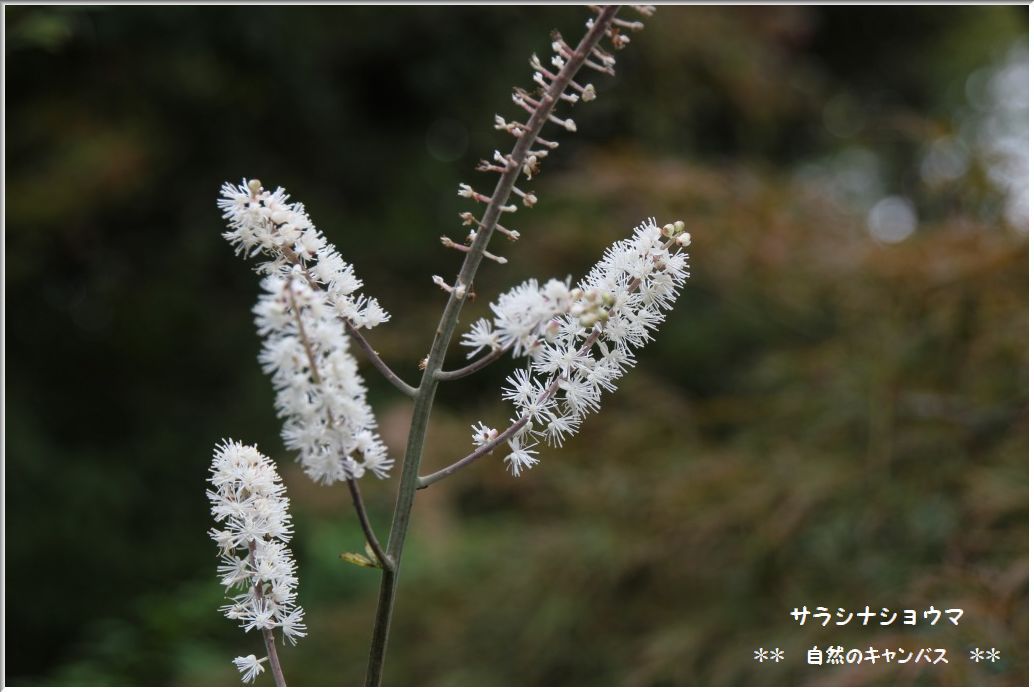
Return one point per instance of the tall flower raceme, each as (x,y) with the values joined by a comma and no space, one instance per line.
(309,297)
(579,341)
(250,506)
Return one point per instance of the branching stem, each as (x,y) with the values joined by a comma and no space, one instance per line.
(424,400)
(482,362)
(489,447)
(374,357)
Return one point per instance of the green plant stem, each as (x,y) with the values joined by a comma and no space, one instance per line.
(424,400)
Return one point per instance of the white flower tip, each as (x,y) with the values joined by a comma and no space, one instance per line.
(684,239)
(254,185)
(588,93)
(570,126)
(249,667)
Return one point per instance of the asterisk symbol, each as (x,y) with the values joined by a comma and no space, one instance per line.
(993,654)
(760,655)
(776,655)
(977,655)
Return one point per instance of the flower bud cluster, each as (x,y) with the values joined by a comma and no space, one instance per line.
(580,352)
(552,88)
(264,222)
(319,393)
(254,526)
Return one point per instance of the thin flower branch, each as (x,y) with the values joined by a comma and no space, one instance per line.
(372,354)
(364,520)
(377,362)
(516,427)
(482,362)
(483,450)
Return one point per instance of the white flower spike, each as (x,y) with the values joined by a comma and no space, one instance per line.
(250,506)
(579,341)
(309,292)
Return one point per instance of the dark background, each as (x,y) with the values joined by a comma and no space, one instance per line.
(834,415)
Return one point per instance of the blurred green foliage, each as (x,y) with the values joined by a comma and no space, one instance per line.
(824,420)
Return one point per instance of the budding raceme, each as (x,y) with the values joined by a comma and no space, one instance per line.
(554,86)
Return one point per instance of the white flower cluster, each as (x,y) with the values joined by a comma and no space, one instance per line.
(249,667)
(522,316)
(250,505)
(578,353)
(320,394)
(308,293)
(264,222)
